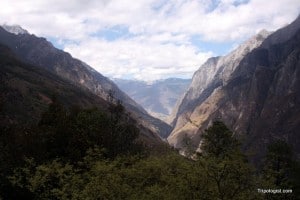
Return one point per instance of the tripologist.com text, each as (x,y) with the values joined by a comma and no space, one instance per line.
(274,191)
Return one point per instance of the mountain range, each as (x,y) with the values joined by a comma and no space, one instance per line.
(158,98)
(254,90)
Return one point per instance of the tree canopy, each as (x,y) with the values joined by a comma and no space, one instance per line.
(90,154)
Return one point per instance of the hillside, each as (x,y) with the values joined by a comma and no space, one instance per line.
(27,91)
(39,52)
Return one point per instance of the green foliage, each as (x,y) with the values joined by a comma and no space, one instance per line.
(229,174)
(47,181)
(70,134)
(88,154)
(123,178)
(66,135)
(218,141)
(281,171)
(230,178)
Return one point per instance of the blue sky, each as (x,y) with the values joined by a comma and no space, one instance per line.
(148,39)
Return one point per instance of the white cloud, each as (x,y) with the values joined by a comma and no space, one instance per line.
(158,43)
(147,60)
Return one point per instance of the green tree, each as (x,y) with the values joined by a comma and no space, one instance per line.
(281,170)
(218,141)
(51,180)
(229,174)
(68,134)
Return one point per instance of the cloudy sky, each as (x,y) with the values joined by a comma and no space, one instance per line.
(147,39)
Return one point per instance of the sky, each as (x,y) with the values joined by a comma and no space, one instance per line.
(147,39)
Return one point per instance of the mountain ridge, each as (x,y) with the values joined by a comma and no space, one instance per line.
(40,52)
(214,73)
(26,91)
(257,99)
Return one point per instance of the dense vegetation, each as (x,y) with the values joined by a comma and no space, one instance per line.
(89,154)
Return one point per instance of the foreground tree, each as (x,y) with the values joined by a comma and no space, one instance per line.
(219,142)
(229,174)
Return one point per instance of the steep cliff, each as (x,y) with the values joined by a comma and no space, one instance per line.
(254,90)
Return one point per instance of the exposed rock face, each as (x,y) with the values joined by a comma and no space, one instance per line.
(158,98)
(255,91)
(207,80)
(40,52)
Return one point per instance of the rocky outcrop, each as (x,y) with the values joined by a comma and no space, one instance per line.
(254,90)
(39,52)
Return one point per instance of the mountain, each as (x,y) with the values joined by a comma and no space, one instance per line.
(158,98)
(212,75)
(27,90)
(39,52)
(254,90)
(16,29)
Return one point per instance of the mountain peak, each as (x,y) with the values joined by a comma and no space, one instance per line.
(15,29)
(257,39)
(264,33)
(250,44)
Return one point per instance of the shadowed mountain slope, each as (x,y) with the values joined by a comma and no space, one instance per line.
(39,52)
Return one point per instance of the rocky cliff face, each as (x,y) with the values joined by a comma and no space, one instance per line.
(254,90)
(40,52)
(158,98)
(210,77)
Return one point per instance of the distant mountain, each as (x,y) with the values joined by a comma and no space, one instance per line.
(158,98)
(39,52)
(254,90)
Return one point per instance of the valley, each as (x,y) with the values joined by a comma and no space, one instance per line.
(127,104)
(158,98)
